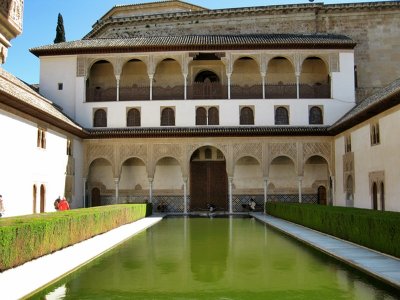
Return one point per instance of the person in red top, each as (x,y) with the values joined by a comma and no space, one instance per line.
(63,205)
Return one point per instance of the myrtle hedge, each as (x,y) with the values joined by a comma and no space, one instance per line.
(378,230)
(28,237)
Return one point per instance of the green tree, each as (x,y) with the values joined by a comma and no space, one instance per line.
(60,33)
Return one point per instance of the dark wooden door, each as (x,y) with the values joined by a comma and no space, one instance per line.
(208,184)
(322,195)
(96,201)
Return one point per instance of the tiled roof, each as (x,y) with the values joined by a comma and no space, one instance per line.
(380,101)
(198,42)
(18,94)
(208,131)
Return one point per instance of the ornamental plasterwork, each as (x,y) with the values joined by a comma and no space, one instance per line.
(334,65)
(100,151)
(132,150)
(377,177)
(322,149)
(227,61)
(167,150)
(13,10)
(283,149)
(250,149)
(348,170)
(159,58)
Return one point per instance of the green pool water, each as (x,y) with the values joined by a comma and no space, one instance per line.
(214,258)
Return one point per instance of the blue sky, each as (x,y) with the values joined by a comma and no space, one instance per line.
(40,21)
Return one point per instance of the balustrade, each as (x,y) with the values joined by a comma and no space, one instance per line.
(209,90)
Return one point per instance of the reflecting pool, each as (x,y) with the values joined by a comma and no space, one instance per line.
(214,258)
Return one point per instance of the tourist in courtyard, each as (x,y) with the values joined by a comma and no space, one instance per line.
(211,207)
(63,205)
(2,210)
(56,203)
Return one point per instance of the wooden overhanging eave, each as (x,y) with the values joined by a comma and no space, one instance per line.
(373,110)
(41,115)
(177,132)
(165,48)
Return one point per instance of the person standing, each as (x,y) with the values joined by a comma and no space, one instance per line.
(2,210)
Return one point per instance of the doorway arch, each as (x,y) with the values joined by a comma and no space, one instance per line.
(374,196)
(42,197)
(34,191)
(208,179)
(321,195)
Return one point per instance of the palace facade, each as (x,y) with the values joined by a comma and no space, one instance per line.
(182,106)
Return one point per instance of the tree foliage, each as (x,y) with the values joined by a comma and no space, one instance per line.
(60,32)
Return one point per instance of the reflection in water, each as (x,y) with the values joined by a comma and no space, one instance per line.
(209,249)
(202,258)
(58,293)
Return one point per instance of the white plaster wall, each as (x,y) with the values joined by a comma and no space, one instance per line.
(54,70)
(228,111)
(383,157)
(343,88)
(24,165)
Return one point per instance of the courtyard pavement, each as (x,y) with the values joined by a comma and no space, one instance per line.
(378,265)
(21,281)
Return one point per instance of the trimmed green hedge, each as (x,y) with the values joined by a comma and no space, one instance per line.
(378,230)
(28,237)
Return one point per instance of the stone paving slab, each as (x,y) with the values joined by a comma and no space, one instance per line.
(31,276)
(379,265)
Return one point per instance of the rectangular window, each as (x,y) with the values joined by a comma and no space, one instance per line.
(69,147)
(60,86)
(347,145)
(375,134)
(41,138)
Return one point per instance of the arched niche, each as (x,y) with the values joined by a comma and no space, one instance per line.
(133,177)
(134,82)
(101,84)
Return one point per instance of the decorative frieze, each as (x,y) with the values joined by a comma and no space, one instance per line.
(247,149)
(283,149)
(13,10)
(321,149)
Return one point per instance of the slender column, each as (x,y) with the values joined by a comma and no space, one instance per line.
(333,191)
(229,85)
(185,195)
(185,86)
(150,190)
(84,191)
(300,180)
(265,190)
(263,84)
(116,181)
(118,78)
(298,85)
(151,86)
(230,180)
